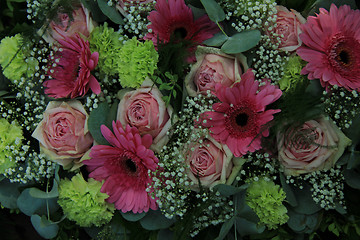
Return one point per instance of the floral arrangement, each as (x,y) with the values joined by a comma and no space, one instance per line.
(173,119)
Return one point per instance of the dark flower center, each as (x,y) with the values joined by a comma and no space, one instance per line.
(180,33)
(344,57)
(241,119)
(130,165)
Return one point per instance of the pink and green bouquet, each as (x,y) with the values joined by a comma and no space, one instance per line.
(180,119)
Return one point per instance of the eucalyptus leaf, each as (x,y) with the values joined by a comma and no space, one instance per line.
(228,190)
(96,13)
(296,221)
(155,220)
(352,178)
(165,234)
(353,132)
(45,228)
(133,217)
(214,11)
(8,194)
(112,114)
(225,228)
(290,196)
(30,205)
(217,40)
(110,12)
(37,193)
(241,42)
(242,208)
(98,117)
(245,227)
(306,205)
(354,159)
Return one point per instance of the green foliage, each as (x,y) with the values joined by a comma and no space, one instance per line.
(217,40)
(241,42)
(170,88)
(214,11)
(110,12)
(44,227)
(9,193)
(155,220)
(102,115)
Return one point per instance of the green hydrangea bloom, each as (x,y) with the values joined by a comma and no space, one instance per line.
(265,198)
(107,43)
(20,65)
(10,140)
(83,202)
(138,60)
(292,74)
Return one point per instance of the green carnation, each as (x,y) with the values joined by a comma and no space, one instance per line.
(83,202)
(10,141)
(138,61)
(266,198)
(15,61)
(107,43)
(292,74)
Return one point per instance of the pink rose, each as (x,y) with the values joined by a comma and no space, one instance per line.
(63,133)
(213,67)
(144,109)
(287,28)
(316,145)
(63,27)
(208,161)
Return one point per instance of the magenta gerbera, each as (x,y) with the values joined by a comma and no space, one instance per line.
(239,119)
(124,166)
(173,17)
(332,47)
(71,77)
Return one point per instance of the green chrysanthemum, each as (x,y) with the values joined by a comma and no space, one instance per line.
(16,62)
(10,141)
(83,202)
(266,198)
(292,74)
(138,60)
(107,43)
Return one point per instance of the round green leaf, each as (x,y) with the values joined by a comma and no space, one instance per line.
(37,193)
(110,12)
(30,205)
(98,117)
(241,42)
(8,194)
(290,196)
(352,178)
(225,228)
(306,205)
(133,217)
(228,190)
(245,227)
(155,220)
(217,40)
(45,228)
(214,11)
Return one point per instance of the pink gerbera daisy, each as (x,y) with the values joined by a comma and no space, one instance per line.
(173,17)
(239,118)
(332,47)
(71,77)
(124,166)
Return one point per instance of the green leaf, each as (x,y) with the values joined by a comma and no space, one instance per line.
(217,40)
(296,221)
(353,132)
(241,42)
(30,205)
(245,227)
(242,208)
(45,228)
(306,204)
(290,196)
(110,12)
(228,190)
(3,92)
(225,228)
(98,117)
(352,178)
(214,11)
(155,220)
(96,13)
(133,217)
(165,86)
(37,193)
(165,234)
(8,194)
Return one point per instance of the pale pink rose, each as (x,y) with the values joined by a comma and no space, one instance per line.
(212,67)
(208,161)
(316,145)
(63,27)
(63,132)
(288,28)
(144,109)
(128,3)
